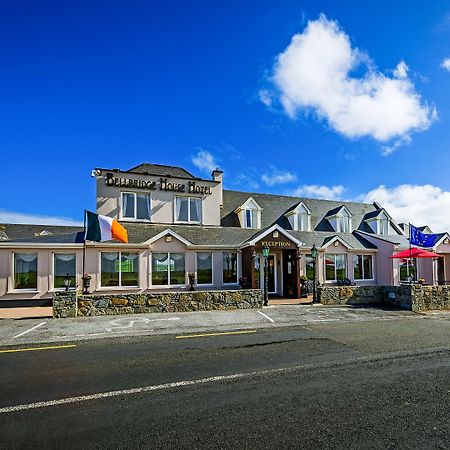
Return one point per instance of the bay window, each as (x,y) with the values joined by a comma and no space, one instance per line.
(25,271)
(64,265)
(204,268)
(335,267)
(363,267)
(119,269)
(136,206)
(188,209)
(168,269)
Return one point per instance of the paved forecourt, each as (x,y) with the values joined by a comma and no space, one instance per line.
(17,332)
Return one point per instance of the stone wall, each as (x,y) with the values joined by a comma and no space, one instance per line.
(73,304)
(412,297)
(350,295)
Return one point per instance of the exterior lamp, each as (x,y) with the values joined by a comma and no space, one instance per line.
(314,258)
(67,281)
(265,252)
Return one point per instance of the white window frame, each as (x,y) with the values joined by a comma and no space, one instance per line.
(353,264)
(168,285)
(335,270)
(237,269)
(135,194)
(13,272)
(119,287)
(52,272)
(189,209)
(212,268)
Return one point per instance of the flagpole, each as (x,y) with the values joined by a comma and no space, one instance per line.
(84,245)
(409,259)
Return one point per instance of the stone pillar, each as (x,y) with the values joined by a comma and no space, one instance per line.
(65,304)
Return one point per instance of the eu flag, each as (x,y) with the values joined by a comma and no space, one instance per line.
(416,237)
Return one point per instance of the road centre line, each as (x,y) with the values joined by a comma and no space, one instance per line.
(393,356)
(225,333)
(31,329)
(267,317)
(31,349)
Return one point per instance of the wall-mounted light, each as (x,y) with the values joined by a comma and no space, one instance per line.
(168,238)
(336,243)
(446,241)
(275,234)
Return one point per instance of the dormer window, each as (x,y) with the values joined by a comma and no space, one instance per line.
(383,226)
(341,221)
(251,218)
(380,223)
(300,217)
(249,214)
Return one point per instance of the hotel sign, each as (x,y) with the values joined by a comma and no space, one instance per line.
(280,242)
(191,187)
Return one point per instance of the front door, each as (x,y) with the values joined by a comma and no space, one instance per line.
(289,274)
(271,275)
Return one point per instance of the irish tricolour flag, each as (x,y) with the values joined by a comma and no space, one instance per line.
(101,228)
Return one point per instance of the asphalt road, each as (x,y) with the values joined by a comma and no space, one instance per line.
(360,384)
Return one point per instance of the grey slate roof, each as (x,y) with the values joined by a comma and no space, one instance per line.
(161,170)
(401,240)
(275,206)
(14,231)
(200,235)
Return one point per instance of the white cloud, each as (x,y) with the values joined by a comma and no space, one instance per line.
(205,161)
(319,191)
(276,176)
(315,73)
(266,97)
(24,218)
(417,204)
(445,64)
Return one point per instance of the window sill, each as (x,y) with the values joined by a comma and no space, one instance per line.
(130,219)
(118,288)
(23,291)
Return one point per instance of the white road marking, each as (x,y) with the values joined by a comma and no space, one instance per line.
(31,329)
(242,375)
(267,317)
(102,333)
(127,323)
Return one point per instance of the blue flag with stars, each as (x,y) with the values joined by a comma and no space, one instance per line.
(416,237)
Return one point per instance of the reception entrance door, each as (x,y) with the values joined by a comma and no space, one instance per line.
(271,274)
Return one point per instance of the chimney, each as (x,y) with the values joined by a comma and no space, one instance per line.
(217,175)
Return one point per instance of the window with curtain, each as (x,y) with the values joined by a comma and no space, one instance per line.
(383,225)
(204,268)
(303,221)
(168,269)
(119,269)
(335,268)
(188,209)
(343,224)
(25,271)
(64,264)
(362,267)
(229,267)
(136,206)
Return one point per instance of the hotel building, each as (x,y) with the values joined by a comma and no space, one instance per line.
(179,224)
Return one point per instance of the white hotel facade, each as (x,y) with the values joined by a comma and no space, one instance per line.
(180,224)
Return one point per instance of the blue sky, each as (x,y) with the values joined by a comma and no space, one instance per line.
(345,100)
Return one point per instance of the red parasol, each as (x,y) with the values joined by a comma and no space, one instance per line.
(415,252)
